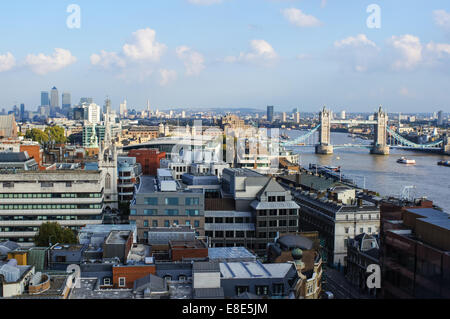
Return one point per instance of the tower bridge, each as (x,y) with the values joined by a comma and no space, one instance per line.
(380,123)
(385,138)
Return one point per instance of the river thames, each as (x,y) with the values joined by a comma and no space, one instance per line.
(383,174)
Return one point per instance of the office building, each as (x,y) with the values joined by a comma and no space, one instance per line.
(92,113)
(440,120)
(414,254)
(45,99)
(161,202)
(334,211)
(54,101)
(29,198)
(270,110)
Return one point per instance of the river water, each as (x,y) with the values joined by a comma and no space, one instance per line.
(383,174)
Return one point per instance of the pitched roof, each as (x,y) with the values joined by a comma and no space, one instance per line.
(154,283)
(271,186)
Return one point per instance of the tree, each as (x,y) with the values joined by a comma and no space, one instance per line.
(56,134)
(55,234)
(37,135)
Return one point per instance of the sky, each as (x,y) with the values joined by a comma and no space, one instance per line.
(196,54)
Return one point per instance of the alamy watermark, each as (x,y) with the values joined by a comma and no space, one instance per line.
(74,19)
(374,19)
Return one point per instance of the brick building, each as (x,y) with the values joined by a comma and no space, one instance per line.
(149,160)
(415,252)
(124,276)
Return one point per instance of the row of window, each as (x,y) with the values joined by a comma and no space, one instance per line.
(277,223)
(168,223)
(230,234)
(52,195)
(277,290)
(361,230)
(172,201)
(228,220)
(57,206)
(21,229)
(278,212)
(167,212)
(50,218)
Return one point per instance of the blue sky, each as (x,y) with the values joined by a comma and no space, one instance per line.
(230,53)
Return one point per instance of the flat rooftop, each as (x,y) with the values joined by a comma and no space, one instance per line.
(251,270)
(244,172)
(229,253)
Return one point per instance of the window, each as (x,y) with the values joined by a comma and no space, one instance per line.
(347,230)
(262,290)
(108,181)
(145,223)
(219,220)
(278,289)
(369,230)
(167,223)
(219,234)
(273,223)
(192,201)
(172,201)
(192,212)
(196,223)
(150,212)
(188,223)
(151,201)
(361,230)
(175,222)
(154,223)
(171,212)
(262,224)
(240,234)
(241,289)
(282,223)
(229,234)
(122,282)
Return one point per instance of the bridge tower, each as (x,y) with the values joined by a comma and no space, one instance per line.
(324,146)
(446,145)
(380,146)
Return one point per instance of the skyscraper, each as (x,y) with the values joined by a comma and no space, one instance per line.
(45,100)
(270,114)
(54,101)
(66,100)
(284,117)
(107,106)
(123,109)
(440,120)
(22,112)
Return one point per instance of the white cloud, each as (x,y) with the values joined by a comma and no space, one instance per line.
(300,19)
(358,53)
(442,19)
(261,51)
(167,76)
(204,2)
(407,52)
(107,60)
(360,40)
(42,64)
(7,62)
(323,3)
(193,61)
(144,46)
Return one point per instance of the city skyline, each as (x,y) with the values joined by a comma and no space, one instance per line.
(327,54)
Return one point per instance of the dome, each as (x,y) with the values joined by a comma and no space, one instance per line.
(297,254)
(294,241)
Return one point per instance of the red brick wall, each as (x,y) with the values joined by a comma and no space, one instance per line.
(131,274)
(179,254)
(149,160)
(33,151)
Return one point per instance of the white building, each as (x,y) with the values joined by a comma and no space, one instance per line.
(73,198)
(92,113)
